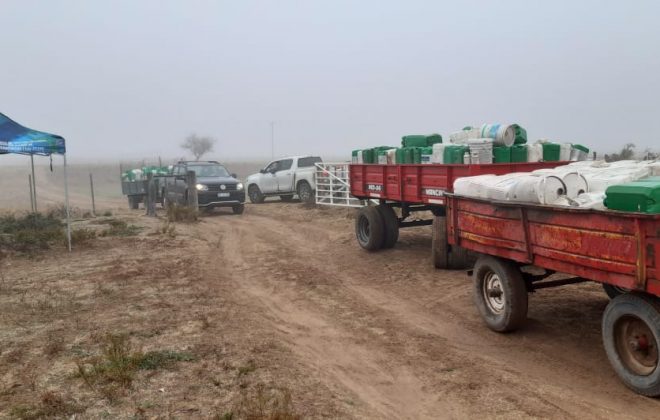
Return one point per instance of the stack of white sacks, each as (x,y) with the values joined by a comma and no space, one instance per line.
(578,184)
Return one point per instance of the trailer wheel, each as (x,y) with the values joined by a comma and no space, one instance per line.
(614,291)
(391,224)
(439,245)
(133,202)
(459,258)
(500,294)
(631,336)
(370,228)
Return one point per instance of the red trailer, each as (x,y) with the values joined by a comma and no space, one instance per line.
(416,188)
(521,245)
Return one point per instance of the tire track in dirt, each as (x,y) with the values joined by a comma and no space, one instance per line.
(399,351)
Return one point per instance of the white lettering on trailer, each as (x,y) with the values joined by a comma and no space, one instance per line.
(433,201)
(374,187)
(434,192)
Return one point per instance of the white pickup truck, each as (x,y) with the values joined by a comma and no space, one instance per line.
(285,178)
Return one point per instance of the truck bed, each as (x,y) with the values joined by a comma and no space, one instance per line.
(618,248)
(425,183)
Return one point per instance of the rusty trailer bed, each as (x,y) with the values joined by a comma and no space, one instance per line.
(616,248)
(424,183)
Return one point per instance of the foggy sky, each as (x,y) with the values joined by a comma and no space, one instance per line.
(121,79)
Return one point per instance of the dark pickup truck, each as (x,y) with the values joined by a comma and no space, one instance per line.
(216,187)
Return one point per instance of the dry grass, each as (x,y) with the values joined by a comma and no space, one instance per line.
(51,405)
(116,367)
(263,404)
(177,213)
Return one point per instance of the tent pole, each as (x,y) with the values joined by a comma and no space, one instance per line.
(34,183)
(66,198)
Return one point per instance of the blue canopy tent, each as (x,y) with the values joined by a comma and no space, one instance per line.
(17,139)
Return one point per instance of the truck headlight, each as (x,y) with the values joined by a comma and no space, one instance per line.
(202,187)
(239,186)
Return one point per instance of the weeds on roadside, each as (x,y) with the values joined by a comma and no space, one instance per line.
(118,227)
(82,236)
(30,232)
(51,405)
(168,228)
(177,213)
(115,369)
(263,405)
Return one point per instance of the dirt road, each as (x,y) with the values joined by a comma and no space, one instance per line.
(282,295)
(402,340)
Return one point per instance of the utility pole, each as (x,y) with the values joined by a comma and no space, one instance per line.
(272,140)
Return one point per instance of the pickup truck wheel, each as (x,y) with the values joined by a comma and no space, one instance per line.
(614,291)
(305,192)
(286,198)
(500,294)
(391,224)
(238,209)
(439,245)
(370,228)
(631,337)
(255,194)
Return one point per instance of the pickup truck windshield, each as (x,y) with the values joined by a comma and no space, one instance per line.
(209,170)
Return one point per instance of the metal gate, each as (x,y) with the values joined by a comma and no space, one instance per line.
(332,186)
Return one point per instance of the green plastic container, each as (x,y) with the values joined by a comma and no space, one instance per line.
(368,156)
(408,155)
(354,156)
(427,154)
(413,140)
(501,154)
(453,154)
(432,139)
(417,154)
(650,179)
(636,196)
(519,153)
(399,155)
(382,157)
(580,147)
(521,134)
(551,152)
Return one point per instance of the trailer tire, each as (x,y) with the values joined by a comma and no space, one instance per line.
(370,228)
(459,258)
(255,194)
(133,202)
(631,337)
(614,291)
(439,245)
(500,294)
(391,225)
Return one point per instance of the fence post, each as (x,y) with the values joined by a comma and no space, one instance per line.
(31,195)
(91,187)
(34,183)
(191,182)
(151,195)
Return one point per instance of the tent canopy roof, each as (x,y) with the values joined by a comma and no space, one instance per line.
(15,138)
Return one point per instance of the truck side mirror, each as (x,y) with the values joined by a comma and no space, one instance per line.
(233,175)
(262,171)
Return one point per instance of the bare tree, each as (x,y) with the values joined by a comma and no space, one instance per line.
(198,145)
(627,153)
